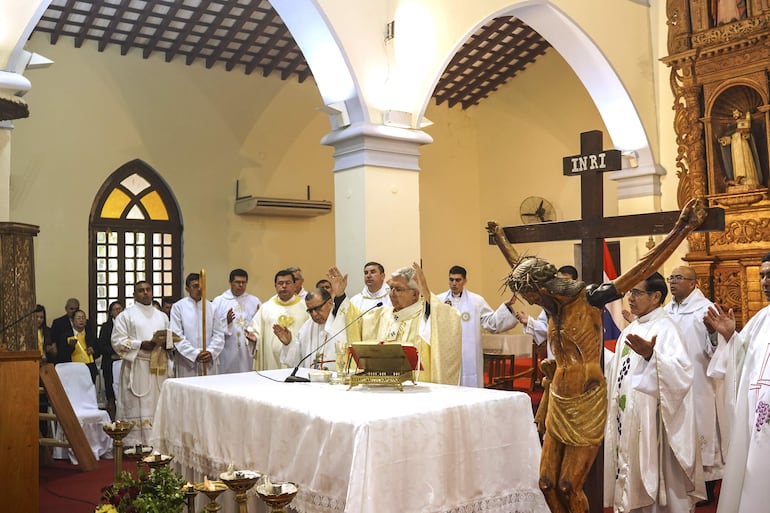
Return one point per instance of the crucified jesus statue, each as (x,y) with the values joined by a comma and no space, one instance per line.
(577,400)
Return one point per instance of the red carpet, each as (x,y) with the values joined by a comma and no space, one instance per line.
(64,488)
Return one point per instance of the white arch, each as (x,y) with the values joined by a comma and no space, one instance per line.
(593,69)
(332,71)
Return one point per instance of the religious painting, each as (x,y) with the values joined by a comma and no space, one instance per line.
(738,142)
(728,11)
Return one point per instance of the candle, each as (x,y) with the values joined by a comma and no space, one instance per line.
(202,282)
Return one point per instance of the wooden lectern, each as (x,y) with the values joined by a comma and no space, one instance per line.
(19,362)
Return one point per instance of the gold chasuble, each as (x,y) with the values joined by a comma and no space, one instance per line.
(440,354)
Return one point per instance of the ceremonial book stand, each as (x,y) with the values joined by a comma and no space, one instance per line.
(384,364)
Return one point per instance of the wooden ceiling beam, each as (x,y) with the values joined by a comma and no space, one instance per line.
(214,25)
(239,22)
(110,29)
(63,16)
(280,32)
(160,30)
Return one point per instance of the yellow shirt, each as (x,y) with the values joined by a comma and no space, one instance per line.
(79,353)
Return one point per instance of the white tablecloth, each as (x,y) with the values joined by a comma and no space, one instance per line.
(516,344)
(430,448)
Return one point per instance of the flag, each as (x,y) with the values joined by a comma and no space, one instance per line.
(613,312)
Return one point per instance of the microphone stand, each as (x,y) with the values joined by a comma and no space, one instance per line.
(293,378)
(17,321)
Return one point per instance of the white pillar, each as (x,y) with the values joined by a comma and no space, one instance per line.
(377,197)
(5,170)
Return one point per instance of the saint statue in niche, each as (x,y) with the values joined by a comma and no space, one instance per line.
(740,162)
(728,11)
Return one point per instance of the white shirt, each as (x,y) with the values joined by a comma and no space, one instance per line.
(236,356)
(187,322)
(365,300)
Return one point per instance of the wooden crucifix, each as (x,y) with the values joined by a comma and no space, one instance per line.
(592,230)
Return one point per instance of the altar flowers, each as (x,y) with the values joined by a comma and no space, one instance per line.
(153,491)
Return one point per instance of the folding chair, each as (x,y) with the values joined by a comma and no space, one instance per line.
(81,392)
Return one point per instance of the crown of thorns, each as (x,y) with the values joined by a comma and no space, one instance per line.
(529,274)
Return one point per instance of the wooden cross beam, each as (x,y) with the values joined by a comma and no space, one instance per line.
(593,227)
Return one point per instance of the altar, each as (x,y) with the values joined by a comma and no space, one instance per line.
(430,448)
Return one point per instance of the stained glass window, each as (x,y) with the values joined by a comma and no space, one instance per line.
(135,234)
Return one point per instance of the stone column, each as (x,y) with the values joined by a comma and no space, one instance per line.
(377,197)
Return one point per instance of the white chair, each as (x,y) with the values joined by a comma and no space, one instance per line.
(81,392)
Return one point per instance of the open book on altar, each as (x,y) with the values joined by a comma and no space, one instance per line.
(385,357)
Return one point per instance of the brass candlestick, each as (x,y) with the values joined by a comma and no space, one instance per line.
(157,460)
(277,495)
(117,431)
(137,453)
(189,493)
(212,490)
(240,482)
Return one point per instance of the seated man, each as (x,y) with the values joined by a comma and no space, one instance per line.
(417,317)
(313,334)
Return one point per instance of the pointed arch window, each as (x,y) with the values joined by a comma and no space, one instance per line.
(135,233)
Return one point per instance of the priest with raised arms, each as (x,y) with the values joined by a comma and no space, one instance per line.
(417,318)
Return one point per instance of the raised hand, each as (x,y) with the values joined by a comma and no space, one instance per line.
(693,214)
(283,334)
(338,280)
(716,319)
(422,281)
(641,346)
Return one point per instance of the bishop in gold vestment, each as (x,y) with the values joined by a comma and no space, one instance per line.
(417,317)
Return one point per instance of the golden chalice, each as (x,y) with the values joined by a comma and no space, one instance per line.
(240,481)
(212,490)
(276,495)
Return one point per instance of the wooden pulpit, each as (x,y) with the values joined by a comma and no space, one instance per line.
(19,362)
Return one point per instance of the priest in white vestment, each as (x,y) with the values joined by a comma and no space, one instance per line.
(417,318)
(187,316)
(236,307)
(136,339)
(687,308)
(743,360)
(475,314)
(651,459)
(375,289)
(286,309)
(314,342)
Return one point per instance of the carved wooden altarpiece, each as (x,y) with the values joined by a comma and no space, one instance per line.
(719,54)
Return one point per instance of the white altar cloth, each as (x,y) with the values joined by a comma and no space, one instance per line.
(516,344)
(430,448)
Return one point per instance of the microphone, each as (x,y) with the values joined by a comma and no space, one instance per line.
(293,378)
(17,321)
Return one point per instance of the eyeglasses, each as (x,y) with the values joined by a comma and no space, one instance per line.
(398,290)
(637,292)
(318,307)
(677,277)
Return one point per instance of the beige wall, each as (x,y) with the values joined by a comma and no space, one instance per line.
(201,130)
